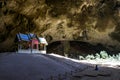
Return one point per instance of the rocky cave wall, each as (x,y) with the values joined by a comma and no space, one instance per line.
(61,20)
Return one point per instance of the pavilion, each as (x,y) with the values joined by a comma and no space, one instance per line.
(30,43)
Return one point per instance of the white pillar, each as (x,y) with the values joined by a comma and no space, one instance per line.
(18,48)
(31,46)
(45,48)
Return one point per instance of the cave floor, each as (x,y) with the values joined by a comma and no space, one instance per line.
(103,73)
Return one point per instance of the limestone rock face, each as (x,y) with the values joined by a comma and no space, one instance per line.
(93,21)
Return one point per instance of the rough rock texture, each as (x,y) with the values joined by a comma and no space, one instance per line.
(86,20)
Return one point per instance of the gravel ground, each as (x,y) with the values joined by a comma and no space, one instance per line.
(53,67)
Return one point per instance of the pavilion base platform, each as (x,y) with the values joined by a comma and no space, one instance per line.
(31,51)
